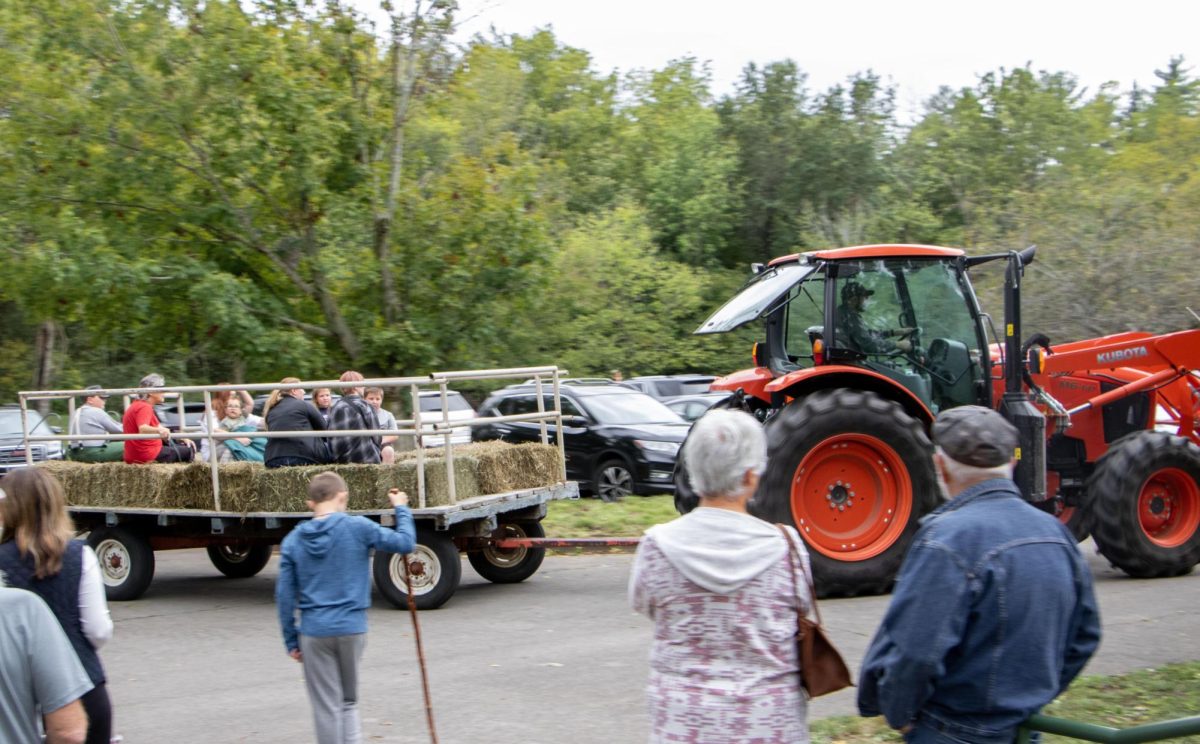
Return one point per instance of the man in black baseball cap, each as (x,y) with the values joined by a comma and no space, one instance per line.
(91,418)
(993,613)
(853,330)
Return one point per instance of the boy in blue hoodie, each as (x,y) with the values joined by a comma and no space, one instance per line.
(324,573)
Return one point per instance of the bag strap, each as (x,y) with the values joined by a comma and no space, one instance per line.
(812,592)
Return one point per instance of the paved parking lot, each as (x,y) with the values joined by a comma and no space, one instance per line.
(559,658)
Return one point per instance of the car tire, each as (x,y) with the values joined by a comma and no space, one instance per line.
(613,480)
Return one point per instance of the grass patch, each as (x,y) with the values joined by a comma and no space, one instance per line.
(1123,701)
(589,517)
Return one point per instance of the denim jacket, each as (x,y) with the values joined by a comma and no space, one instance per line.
(992,617)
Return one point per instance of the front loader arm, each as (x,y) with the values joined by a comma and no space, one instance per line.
(1166,360)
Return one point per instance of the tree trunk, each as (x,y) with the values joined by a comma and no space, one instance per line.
(43,371)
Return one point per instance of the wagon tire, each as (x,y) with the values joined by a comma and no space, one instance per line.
(1144,504)
(435,566)
(853,473)
(126,562)
(510,565)
(239,561)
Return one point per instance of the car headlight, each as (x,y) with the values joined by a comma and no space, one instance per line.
(652,445)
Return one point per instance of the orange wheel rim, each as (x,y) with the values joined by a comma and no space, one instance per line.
(851,497)
(1169,507)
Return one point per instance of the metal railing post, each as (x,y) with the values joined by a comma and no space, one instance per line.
(420,440)
(562,447)
(450,485)
(212,446)
(541,408)
(1157,731)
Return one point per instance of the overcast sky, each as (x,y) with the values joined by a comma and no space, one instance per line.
(917,45)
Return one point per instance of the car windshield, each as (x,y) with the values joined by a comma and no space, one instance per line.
(629,408)
(454,402)
(10,423)
(758,296)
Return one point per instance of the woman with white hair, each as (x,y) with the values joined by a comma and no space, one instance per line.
(723,591)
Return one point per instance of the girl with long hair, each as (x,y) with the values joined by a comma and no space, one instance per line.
(39,552)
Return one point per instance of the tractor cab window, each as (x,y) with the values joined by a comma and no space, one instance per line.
(805,319)
(910,320)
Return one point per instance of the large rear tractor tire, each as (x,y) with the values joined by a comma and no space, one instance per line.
(853,473)
(1144,504)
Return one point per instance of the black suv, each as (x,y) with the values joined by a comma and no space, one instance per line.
(670,386)
(617,441)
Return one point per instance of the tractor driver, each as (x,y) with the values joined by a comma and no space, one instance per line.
(853,330)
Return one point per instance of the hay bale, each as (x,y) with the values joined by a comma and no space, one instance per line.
(191,487)
(114,484)
(479,468)
(511,467)
(285,489)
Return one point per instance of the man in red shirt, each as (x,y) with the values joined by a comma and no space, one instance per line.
(140,419)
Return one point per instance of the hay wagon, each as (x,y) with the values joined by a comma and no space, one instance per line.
(486,500)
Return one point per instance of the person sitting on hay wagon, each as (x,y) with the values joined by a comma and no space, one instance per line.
(141,419)
(248,449)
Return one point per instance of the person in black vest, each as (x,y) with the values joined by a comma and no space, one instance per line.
(286,410)
(37,553)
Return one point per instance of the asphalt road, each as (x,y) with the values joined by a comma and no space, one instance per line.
(559,658)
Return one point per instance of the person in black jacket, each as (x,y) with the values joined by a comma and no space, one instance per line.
(286,410)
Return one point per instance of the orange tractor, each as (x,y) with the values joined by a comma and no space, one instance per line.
(865,345)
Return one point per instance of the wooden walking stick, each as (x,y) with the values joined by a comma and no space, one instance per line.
(412,610)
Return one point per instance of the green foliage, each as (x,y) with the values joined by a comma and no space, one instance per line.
(615,302)
(1121,702)
(588,517)
(230,190)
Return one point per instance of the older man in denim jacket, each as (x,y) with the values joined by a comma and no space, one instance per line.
(993,613)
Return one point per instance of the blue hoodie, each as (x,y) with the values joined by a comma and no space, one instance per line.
(324,571)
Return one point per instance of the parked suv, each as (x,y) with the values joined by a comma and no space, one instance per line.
(12,439)
(617,441)
(457,409)
(670,386)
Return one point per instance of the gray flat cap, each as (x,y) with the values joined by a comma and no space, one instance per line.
(97,388)
(974,435)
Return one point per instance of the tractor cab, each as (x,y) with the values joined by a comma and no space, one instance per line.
(904,313)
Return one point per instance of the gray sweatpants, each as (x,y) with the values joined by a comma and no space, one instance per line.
(331,676)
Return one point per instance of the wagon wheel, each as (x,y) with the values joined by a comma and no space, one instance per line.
(435,570)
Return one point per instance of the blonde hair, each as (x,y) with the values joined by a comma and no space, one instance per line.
(34,514)
(274,397)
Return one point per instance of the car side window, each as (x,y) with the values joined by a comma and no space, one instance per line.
(568,406)
(524,404)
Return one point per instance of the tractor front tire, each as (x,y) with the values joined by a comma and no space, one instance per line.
(1144,504)
(853,473)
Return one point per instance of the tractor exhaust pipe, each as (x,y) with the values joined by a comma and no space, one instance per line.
(1017,405)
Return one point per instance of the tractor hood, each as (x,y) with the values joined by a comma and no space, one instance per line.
(757,298)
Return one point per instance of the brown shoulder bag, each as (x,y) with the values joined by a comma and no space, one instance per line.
(822,669)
